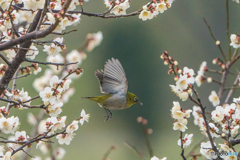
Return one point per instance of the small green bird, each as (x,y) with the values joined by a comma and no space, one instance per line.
(114,84)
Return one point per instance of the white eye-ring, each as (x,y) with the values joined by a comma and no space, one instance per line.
(135,99)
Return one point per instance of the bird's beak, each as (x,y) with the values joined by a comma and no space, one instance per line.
(139,102)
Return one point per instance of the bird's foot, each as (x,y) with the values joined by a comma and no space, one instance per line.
(109,114)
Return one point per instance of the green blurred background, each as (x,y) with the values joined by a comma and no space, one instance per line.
(138,45)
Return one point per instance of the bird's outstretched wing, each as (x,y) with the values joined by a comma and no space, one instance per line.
(113,79)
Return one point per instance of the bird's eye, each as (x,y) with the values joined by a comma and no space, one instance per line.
(135,99)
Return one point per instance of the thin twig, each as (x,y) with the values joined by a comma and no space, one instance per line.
(182,153)
(110,149)
(232,90)
(219,46)
(135,150)
(228,31)
(146,135)
(63,33)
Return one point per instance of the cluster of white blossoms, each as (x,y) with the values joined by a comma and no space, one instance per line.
(51,95)
(228,118)
(52,124)
(154,8)
(183,83)
(180,123)
(119,6)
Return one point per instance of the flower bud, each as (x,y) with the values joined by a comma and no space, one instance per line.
(223,135)
(144,121)
(180,71)
(139,119)
(218,43)
(170,71)
(162,56)
(223,66)
(215,61)
(175,63)
(209,79)
(149,131)
(175,78)
(166,62)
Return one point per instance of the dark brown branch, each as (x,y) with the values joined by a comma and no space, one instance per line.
(182,153)
(4,59)
(42,15)
(50,63)
(26,43)
(235,141)
(20,57)
(205,120)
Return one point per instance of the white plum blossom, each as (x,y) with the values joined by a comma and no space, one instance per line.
(52,49)
(55,81)
(33,4)
(31,119)
(55,110)
(234,130)
(46,94)
(183,82)
(72,127)
(235,41)
(93,40)
(65,138)
(120,9)
(21,136)
(183,95)
(68,93)
(145,14)
(161,7)
(186,140)
(40,83)
(75,56)
(213,130)
(199,79)
(9,125)
(84,117)
(206,150)
(49,125)
(176,111)
(180,125)
(55,59)
(237,101)
(213,98)
(59,153)
(217,114)
(10,54)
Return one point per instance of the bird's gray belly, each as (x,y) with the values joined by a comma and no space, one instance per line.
(116,102)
